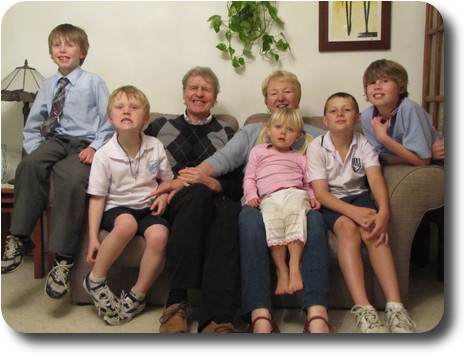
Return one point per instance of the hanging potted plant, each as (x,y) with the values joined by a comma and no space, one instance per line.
(250,23)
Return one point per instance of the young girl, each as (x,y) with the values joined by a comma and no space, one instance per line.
(124,171)
(276,182)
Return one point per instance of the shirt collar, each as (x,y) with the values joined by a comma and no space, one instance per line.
(201,122)
(326,141)
(72,77)
(116,152)
(393,113)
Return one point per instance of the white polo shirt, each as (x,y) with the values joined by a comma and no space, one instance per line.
(111,175)
(347,177)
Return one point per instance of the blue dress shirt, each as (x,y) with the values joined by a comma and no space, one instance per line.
(84,112)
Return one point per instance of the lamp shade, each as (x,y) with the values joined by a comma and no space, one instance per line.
(22,84)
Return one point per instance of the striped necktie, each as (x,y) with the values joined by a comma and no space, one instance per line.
(49,125)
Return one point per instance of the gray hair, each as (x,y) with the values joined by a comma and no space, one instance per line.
(204,72)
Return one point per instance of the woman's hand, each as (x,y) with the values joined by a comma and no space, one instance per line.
(160,204)
(196,176)
(169,187)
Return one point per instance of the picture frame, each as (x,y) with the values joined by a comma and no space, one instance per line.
(354,25)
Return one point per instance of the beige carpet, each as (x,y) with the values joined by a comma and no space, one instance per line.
(26,308)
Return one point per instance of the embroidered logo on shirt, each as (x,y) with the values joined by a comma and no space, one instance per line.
(153,167)
(356,164)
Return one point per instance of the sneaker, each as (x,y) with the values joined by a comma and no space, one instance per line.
(367,319)
(57,283)
(398,319)
(128,307)
(13,256)
(104,300)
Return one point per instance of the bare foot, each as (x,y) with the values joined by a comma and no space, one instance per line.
(295,283)
(282,283)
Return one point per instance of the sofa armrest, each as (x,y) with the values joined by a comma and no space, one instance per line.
(412,191)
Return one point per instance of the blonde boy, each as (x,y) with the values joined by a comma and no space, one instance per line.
(127,169)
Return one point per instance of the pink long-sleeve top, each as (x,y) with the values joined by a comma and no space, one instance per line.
(269,170)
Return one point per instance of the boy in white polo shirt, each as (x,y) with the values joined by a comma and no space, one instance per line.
(338,163)
(124,171)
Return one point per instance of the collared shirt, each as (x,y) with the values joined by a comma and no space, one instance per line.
(84,112)
(412,128)
(111,175)
(347,177)
(200,122)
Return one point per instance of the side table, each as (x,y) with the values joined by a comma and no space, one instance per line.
(37,233)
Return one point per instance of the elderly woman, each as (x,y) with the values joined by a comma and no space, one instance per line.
(281,90)
(203,212)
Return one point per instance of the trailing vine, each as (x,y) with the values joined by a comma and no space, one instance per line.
(250,22)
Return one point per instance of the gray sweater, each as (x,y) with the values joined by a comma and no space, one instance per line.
(236,151)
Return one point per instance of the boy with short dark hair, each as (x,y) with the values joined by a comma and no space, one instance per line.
(339,163)
(66,125)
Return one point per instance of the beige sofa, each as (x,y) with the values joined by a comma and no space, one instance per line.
(413,191)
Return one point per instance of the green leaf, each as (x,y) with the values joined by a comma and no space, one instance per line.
(214,17)
(217,25)
(222,47)
(231,51)
(235,62)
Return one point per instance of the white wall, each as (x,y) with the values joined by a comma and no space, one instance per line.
(152,44)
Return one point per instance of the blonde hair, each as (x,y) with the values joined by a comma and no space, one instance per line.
(131,93)
(70,33)
(281,75)
(390,69)
(288,116)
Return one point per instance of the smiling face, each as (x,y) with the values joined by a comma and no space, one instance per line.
(127,114)
(383,93)
(281,94)
(341,114)
(199,97)
(66,54)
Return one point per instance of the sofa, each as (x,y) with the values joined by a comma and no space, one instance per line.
(412,190)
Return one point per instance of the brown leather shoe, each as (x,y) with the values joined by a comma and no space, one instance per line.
(219,328)
(174,319)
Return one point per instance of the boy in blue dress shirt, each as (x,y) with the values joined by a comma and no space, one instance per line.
(67,124)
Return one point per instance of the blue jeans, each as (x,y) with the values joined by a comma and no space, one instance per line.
(255,262)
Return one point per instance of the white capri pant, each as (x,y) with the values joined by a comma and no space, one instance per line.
(284,215)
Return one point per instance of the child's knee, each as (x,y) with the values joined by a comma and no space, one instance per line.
(346,229)
(156,238)
(127,224)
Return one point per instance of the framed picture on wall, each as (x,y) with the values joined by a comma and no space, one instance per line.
(354,25)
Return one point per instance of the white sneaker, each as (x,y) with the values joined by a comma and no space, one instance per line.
(367,319)
(398,319)
(128,307)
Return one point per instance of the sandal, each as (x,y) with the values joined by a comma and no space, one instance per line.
(306,326)
(275,328)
